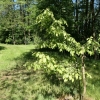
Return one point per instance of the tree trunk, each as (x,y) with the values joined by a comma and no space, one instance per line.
(86,20)
(83,77)
(25,41)
(13,37)
(77,26)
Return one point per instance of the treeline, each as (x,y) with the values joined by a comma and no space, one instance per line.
(17,18)
(16,21)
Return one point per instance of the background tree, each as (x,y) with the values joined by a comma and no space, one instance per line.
(15,23)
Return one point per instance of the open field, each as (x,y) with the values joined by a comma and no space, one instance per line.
(9,54)
(18,83)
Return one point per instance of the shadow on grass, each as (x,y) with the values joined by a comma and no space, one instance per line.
(27,56)
(2,48)
(93,67)
(28,84)
(25,84)
(93,86)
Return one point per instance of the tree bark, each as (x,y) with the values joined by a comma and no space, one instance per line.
(83,77)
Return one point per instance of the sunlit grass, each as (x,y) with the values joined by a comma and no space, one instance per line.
(9,53)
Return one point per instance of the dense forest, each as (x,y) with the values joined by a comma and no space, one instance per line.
(66,34)
(17,20)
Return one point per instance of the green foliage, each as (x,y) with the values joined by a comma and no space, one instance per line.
(16,21)
(59,64)
(56,63)
(92,45)
(53,36)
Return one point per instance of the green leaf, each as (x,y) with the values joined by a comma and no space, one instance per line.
(72,53)
(70,77)
(76,75)
(44,60)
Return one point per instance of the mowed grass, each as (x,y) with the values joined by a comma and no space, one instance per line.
(9,54)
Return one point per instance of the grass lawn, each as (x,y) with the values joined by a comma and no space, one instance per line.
(18,83)
(9,53)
